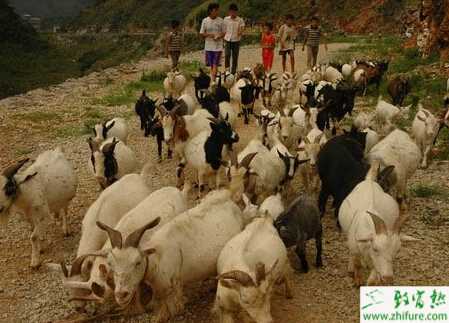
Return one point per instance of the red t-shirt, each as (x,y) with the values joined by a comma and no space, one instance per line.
(268,40)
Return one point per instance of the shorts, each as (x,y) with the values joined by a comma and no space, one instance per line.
(284,52)
(213,58)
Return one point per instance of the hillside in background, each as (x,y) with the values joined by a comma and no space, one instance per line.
(50,8)
(135,14)
(352,16)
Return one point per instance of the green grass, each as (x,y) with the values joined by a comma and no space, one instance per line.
(429,191)
(38,116)
(151,82)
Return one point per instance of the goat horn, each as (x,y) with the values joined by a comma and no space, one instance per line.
(247,160)
(133,239)
(10,171)
(114,235)
(243,278)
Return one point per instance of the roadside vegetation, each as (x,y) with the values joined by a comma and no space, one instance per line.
(427,81)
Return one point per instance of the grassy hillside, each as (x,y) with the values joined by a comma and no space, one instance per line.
(29,60)
(152,14)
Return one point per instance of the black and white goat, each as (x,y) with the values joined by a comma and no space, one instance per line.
(204,151)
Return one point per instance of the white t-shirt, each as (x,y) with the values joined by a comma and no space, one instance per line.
(216,27)
(232,27)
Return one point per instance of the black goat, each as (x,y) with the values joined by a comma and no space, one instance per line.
(201,83)
(299,223)
(221,93)
(209,102)
(248,97)
(145,108)
(341,167)
(335,104)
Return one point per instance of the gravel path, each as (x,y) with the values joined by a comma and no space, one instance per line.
(32,123)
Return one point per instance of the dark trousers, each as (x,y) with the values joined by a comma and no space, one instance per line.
(232,50)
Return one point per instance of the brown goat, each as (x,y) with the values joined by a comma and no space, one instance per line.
(398,88)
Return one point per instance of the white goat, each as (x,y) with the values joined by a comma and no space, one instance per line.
(425,128)
(400,151)
(164,205)
(180,252)
(174,84)
(290,132)
(111,161)
(249,266)
(272,205)
(346,70)
(332,75)
(372,222)
(204,152)
(109,208)
(363,120)
(308,149)
(47,186)
(387,113)
(116,127)
(372,138)
(360,79)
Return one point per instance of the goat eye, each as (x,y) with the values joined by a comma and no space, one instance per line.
(138,264)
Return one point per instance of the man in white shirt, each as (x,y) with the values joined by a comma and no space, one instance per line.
(234,26)
(213,30)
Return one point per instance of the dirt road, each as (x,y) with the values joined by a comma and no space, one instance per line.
(32,123)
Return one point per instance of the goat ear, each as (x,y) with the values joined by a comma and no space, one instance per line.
(280,154)
(109,127)
(27,178)
(230,284)
(114,235)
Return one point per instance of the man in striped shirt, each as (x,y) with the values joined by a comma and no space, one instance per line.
(312,40)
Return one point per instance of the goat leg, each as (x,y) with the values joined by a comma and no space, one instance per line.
(319,247)
(301,253)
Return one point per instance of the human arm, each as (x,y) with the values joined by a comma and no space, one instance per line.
(241,28)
